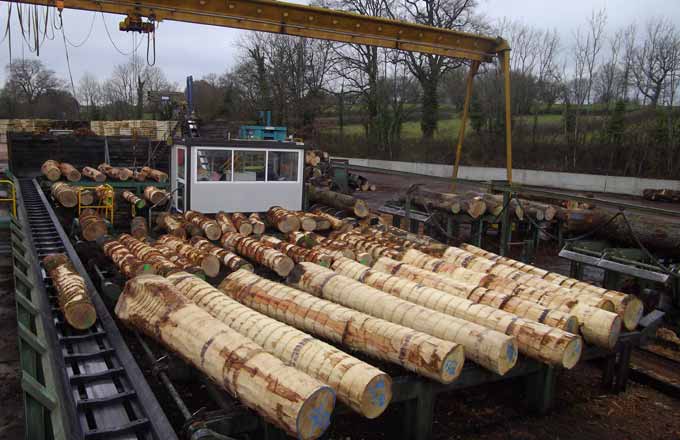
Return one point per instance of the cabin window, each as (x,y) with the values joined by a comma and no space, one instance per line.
(282,166)
(213,165)
(249,166)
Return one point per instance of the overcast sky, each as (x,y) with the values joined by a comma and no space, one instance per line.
(186,49)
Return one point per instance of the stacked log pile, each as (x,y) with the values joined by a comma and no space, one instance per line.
(454,203)
(334,248)
(366,244)
(74,300)
(155,196)
(172,224)
(491,349)
(318,171)
(226,224)
(149,254)
(335,223)
(94,174)
(129,265)
(209,227)
(115,173)
(296,253)
(132,199)
(255,251)
(230,260)
(69,171)
(356,207)
(256,222)
(66,195)
(92,225)
(209,263)
(285,396)
(426,355)
(359,385)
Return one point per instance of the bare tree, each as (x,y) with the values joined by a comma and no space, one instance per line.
(29,79)
(90,94)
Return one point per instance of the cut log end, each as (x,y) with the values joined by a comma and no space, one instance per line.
(377,395)
(364,258)
(210,265)
(507,356)
(361,209)
(289,224)
(284,266)
(571,325)
(81,315)
(452,365)
(315,415)
(476,208)
(213,231)
(245,229)
(308,224)
(53,174)
(572,353)
(632,313)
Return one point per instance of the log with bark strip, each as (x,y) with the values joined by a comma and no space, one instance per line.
(224,220)
(138,228)
(209,263)
(171,224)
(132,199)
(296,253)
(209,226)
(154,174)
(50,169)
(66,195)
(230,260)
(359,385)
(426,355)
(149,254)
(257,223)
(335,223)
(480,295)
(129,265)
(92,225)
(538,341)
(598,326)
(285,397)
(493,350)
(282,219)
(155,196)
(115,173)
(69,172)
(94,174)
(337,200)
(454,203)
(254,250)
(627,306)
(74,300)
(241,223)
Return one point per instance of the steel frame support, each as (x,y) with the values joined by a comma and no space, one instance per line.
(463,122)
(504,57)
(506,225)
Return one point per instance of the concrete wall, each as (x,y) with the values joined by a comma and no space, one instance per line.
(573,181)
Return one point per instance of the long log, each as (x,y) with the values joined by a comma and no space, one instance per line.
(132,199)
(50,169)
(209,263)
(129,265)
(94,174)
(155,195)
(416,351)
(257,223)
(359,385)
(335,223)
(241,223)
(92,226)
(404,242)
(74,300)
(598,326)
(223,219)
(149,254)
(362,243)
(453,203)
(282,219)
(115,173)
(258,252)
(157,175)
(627,306)
(296,253)
(230,260)
(69,172)
(138,228)
(286,397)
(338,200)
(209,226)
(171,224)
(493,350)
(63,193)
(538,341)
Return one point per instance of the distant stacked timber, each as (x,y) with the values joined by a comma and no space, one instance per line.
(74,300)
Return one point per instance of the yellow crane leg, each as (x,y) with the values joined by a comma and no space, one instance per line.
(466,110)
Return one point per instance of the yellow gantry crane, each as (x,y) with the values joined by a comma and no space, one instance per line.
(321,23)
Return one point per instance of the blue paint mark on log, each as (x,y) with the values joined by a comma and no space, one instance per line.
(321,418)
(377,392)
(450,367)
(511,352)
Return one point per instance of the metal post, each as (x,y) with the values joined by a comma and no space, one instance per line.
(506,224)
(505,59)
(461,132)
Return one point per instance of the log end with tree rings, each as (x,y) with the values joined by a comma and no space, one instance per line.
(598,327)
(154,195)
(243,225)
(283,219)
(92,226)
(307,223)
(86,196)
(69,172)
(74,301)
(50,169)
(66,195)
(258,225)
(630,309)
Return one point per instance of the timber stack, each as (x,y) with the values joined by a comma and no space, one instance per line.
(209,263)
(283,219)
(155,196)
(296,253)
(360,386)
(307,221)
(356,207)
(74,300)
(418,352)
(66,195)
(209,227)
(69,171)
(115,173)
(50,169)
(284,396)
(179,261)
(139,176)
(474,206)
(335,223)
(255,251)
(230,260)
(94,174)
(92,225)
(493,350)
(241,223)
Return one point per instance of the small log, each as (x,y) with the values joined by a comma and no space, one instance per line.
(69,171)
(493,350)
(242,224)
(303,239)
(50,169)
(335,223)
(94,174)
(359,385)
(426,355)
(286,397)
(307,221)
(337,200)
(115,173)
(171,224)
(283,219)
(132,199)
(154,195)
(63,193)
(257,223)
(225,222)
(209,227)
(149,254)
(209,263)
(258,252)
(86,196)
(92,226)
(138,228)
(296,253)
(154,174)
(129,265)
(74,300)
(230,260)
(538,341)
